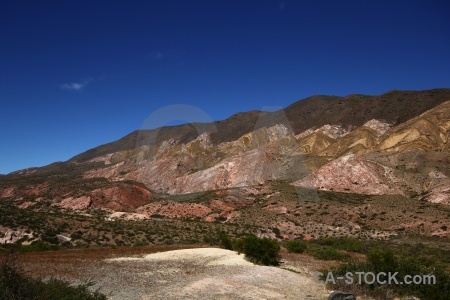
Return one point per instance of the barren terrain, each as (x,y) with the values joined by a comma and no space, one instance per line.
(195,273)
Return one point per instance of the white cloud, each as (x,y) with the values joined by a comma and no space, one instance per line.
(76,86)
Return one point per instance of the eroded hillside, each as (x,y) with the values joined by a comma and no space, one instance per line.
(324,166)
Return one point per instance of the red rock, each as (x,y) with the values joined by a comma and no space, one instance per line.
(26,204)
(351,174)
(220,205)
(172,209)
(8,192)
(277,209)
(80,203)
(212,218)
(122,197)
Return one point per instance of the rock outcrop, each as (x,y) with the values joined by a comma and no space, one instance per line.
(440,194)
(352,174)
(80,203)
(386,148)
(11,236)
(428,132)
(118,197)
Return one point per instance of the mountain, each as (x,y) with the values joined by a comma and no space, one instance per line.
(352,111)
(410,158)
(354,153)
(253,147)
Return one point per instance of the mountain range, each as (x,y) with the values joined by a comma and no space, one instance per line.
(269,170)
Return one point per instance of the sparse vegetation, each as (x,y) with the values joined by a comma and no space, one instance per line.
(15,285)
(326,253)
(296,246)
(386,261)
(263,251)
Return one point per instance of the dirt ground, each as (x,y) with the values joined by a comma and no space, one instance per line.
(201,273)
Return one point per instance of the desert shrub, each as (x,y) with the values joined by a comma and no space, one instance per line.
(346,244)
(169,241)
(352,245)
(190,241)
(37,247)
(15,284)
(277,232)
(327,253)
(238,245)
(296,246)
(76,235)
(207,240)
(225,241)
(157,216)
(263,251)
(385,261)
(49,236)
(382,260)
(139,242)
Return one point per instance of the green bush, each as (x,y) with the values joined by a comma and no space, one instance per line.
(238,245)
(15,285)
(352,245)
(346,244)
(296,246)
(225,241)
(382,260)
(139,242)
(76,235)
(37,247)
(157,216)
(261,251)
(386,261)
(327,253)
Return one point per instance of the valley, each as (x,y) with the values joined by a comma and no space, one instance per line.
(326,168)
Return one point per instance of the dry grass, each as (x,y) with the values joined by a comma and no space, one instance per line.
(171,279)
(72,263)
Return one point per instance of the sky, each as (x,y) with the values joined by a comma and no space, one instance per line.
(75,74)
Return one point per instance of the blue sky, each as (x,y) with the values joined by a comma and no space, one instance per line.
(77,74)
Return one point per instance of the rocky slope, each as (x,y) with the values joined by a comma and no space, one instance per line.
(395,143)
(410,158)
(348,112)
(364,160)
(351,173)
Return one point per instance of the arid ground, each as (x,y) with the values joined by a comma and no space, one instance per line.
(189,273)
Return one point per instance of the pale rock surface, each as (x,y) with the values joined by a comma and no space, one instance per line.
(26,204)
(166,145)
(211,273)
(172,209)
(304,133)
(378,125)
(80,203)
(351,174)
(127,216)
(333,131)
(11,236)
(63,239)
(440,194)
(106,159)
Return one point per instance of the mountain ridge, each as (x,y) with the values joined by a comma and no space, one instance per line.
(321,168)
(301,115)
